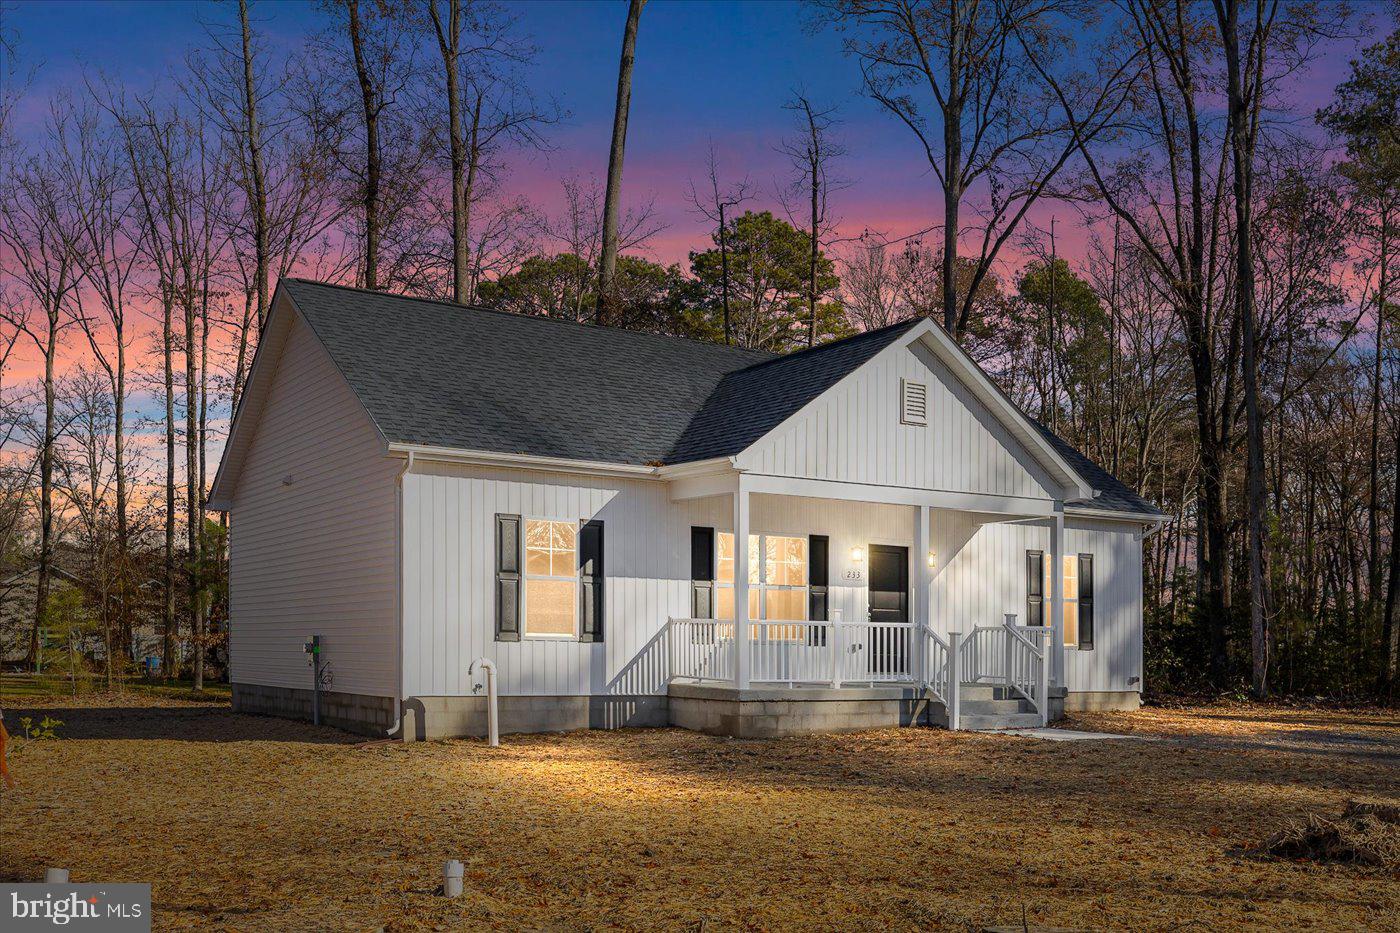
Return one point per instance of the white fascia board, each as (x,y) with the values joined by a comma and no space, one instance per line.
(1134,518)
(522,461)
(1002,407)
(255,389)
(981,386)
(897,495)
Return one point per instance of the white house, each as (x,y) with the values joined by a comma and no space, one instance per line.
(422,485)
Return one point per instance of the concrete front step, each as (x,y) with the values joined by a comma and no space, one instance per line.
(987,692)
(995,707)
(975,722)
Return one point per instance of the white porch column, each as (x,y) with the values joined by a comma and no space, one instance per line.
(741,584)
(1057,595)
(923,577)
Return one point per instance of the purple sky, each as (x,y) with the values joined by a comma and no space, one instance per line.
(705,71)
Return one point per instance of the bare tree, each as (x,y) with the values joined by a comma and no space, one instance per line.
(607,267)
(811,153)
(869,285)
(36,232)
(957,74)
(94,171)
(714,205)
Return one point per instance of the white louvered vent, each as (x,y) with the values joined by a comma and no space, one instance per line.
(913,402)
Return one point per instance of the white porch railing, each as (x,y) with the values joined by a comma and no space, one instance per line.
(796,653)
(1016,656)
(701,650)
(837,653)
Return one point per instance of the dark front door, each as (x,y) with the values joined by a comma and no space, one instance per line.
(888,648)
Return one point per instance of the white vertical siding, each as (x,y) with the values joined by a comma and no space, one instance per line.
(449,573)
(981,575)
(854,434)
(317,555)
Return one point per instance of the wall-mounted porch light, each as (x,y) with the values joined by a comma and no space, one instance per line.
(932,559)
(857,554)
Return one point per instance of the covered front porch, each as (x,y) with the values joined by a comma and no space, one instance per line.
(902,625)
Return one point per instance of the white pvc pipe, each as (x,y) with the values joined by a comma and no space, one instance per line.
(493,736)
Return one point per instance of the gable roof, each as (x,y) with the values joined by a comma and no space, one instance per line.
(434,374)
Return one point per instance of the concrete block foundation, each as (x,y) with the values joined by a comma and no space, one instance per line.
(771,712)
(353,712)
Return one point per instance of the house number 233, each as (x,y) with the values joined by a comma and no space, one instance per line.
(853,574)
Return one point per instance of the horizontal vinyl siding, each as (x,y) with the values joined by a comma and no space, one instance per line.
(315,556)
(854,434)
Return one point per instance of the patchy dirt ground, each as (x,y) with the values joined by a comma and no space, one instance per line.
(246,823)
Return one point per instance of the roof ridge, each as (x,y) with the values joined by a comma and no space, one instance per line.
(612,328)
(844,341)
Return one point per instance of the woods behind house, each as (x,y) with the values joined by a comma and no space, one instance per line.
(1222,334)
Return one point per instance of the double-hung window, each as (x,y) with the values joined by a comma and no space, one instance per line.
(778,577)
(1078,584)
(551,579)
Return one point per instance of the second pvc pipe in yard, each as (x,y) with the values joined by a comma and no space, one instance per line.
(493,736)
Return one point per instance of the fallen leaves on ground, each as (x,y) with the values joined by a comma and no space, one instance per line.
(249,823)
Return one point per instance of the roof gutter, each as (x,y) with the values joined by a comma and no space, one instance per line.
(523,461)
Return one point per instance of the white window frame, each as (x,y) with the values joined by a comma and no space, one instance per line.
(526,577)
(762,585)
(1071,595)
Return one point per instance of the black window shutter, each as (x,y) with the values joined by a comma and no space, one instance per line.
(702,573)
(818,580)
(1086,601)
(507,577)
(1035,587)
(590,569)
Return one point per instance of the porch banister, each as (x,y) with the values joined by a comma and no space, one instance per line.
(953,701)
(741,585)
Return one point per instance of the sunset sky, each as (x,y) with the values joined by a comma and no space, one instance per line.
(706,71)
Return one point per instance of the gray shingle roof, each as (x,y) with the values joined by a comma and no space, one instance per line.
(443,375)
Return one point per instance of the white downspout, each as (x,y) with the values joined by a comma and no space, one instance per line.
(398,591)
(493,735)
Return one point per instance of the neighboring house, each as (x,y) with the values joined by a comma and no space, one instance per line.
(18,594)
(423,484)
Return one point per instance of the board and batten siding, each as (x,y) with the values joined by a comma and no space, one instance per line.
(313,535)
(853,433)
(449,571)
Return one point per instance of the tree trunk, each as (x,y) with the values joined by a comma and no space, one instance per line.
(168,353)
(952,171)
(1377,377)
(370,110)
(261,234)
(607,266)
(1390,637)
(724,272)
(41,601)
(1256,501)
(449,44)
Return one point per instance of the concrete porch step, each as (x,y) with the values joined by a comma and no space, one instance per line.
(987,692)
(975,722)
(995,707)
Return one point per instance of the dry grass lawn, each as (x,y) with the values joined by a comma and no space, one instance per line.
(246,823)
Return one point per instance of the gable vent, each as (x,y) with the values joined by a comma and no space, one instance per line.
(913,402)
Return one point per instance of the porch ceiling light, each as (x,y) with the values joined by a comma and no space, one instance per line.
(857,554)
